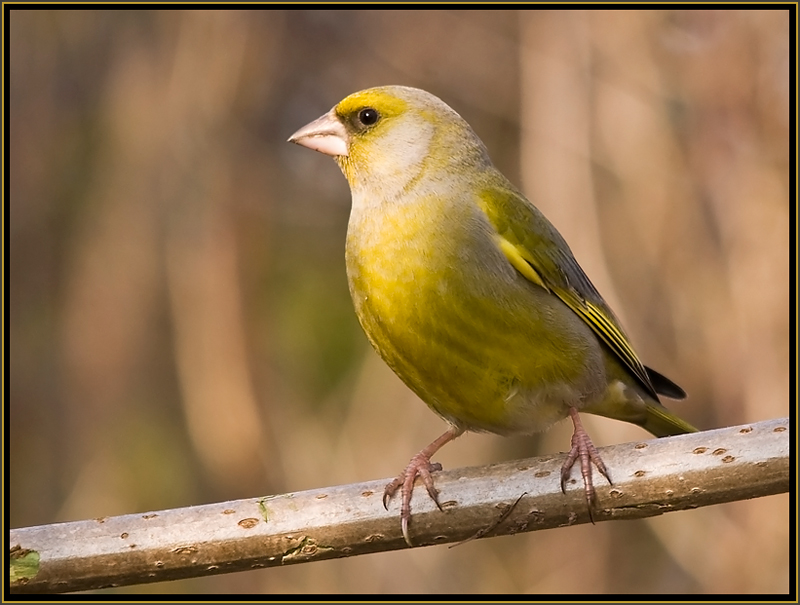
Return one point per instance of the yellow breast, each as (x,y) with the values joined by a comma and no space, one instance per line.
(448,313)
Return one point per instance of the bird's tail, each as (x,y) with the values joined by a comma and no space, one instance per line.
(663,423)
(664,386)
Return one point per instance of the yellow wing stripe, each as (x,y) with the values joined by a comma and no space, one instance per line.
(515,256)
(593,315)
(619,340)
(604,327)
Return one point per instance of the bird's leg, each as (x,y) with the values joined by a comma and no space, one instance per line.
(583,448)
(420,465)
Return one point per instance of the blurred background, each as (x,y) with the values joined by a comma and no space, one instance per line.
(180,326)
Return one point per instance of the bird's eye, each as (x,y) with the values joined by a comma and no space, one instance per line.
(368,116)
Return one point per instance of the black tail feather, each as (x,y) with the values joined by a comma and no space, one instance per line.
(664,386)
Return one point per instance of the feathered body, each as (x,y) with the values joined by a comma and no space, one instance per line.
(433,245)
(468,292)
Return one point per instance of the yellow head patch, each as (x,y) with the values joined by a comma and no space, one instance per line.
(385,103)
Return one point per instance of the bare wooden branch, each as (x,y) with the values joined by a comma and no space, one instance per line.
(650,478)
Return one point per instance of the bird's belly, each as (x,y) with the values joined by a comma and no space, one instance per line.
(483,347)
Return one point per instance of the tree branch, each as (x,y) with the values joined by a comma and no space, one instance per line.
(650,478)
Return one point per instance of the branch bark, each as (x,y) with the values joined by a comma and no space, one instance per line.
(650,478)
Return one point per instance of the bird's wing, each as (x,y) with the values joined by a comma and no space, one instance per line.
(534,247)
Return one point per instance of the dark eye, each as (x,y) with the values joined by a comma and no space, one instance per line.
(368,116)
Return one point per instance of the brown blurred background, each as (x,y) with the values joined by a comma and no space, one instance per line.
(181,330)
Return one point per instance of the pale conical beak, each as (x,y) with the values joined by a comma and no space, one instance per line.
(325,134)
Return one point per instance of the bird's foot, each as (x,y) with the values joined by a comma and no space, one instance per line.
(419,466)
(583,449)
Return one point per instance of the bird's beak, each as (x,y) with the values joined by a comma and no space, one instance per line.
(325,134)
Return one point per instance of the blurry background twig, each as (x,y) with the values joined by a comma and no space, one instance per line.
(180,327)
(652,478)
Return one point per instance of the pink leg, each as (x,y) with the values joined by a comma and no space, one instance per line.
(419,465)
(583,448)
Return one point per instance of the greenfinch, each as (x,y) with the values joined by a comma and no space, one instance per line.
(467,291)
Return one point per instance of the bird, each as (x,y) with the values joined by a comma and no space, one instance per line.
(469,293)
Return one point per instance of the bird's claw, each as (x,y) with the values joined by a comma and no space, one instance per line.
(583,449)
(419,466)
